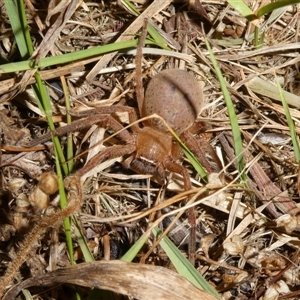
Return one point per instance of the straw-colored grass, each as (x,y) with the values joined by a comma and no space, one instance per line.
(59,60)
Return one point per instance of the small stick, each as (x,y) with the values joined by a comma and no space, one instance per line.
(138,70)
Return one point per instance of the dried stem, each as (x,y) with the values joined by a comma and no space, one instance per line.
(139,59)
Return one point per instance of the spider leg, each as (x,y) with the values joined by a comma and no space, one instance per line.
(176,168)
(197,148)
(108,110)
(105,119)
(113,151)
(108,153)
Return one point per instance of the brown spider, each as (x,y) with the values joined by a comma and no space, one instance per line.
(176,96)
(173,94)
(152,148)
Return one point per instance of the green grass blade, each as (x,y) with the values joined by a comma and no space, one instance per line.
(64,203)
(194,162)
(241,7)
(191,157)
(275,5)
(131,7)
(69,57)
(69,241)
(25,28)
(27,294)
(88,257)
(238,145)
(183,266)
(19,26)
(291,124)
(134,250)
(245,11)
(159,40)
(70,147)
(43,101)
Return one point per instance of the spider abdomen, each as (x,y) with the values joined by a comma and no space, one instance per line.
(176,96)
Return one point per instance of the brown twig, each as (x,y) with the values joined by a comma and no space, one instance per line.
(139,73)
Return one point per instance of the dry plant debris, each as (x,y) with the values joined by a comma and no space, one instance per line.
(247,238)
(134,280)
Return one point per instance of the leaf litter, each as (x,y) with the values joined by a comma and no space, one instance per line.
(247,236)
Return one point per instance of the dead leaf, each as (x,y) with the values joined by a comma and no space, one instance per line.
(56,7)
(135,280)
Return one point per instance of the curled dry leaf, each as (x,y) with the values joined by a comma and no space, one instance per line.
(274,291)
(15,184)
(235,246)
(55,7)
(287,222)
(206,242)
(136,280)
